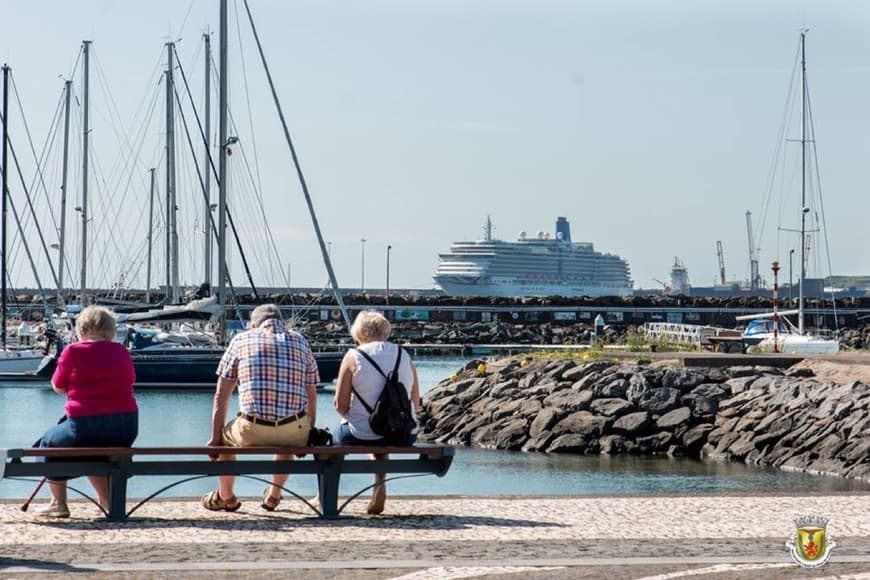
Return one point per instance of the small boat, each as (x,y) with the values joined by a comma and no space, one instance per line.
(787,338)
(777,333)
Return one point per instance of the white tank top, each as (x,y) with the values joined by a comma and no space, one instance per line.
(369,383)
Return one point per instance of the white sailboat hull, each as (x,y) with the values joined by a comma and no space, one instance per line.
(800,344)
(19,361)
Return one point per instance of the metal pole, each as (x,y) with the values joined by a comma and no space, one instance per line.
(152,171)
(171,204)
(389,247)
(222,161)
(5,196)
(363,266)
(65,172)
(804,208)
(790,283)
(207,162)
(775,269)
(86,48)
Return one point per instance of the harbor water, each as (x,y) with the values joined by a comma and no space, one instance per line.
(183,418)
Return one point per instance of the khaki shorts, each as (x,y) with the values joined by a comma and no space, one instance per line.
(242,433)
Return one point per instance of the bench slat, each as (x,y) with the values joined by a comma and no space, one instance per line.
(332,450)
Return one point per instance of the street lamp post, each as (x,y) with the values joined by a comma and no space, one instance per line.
(389,247)
(363,265)
(790,256)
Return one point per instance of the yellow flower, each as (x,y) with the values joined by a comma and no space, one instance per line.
(453,377)
(525,363)
(481,368)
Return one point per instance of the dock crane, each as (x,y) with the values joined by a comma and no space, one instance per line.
(721,256)
(754,276)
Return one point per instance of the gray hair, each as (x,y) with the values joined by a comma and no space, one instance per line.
(264,312)
(370,325)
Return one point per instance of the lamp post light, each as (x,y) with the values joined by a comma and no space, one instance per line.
(790,256)
(363,265)
(389,247)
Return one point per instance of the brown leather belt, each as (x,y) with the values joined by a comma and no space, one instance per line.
(284,421)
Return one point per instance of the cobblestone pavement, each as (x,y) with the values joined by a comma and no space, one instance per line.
(725,536)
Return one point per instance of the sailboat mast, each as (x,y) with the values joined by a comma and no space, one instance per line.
(323,251)
(150,234)
(5,195)
(804,209)
(86,49)
(65,173)
(222,159)
(171,206)
(207,162)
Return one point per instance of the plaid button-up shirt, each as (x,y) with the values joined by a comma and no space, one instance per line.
(273,366)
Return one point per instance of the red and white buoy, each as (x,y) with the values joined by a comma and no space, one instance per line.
(775,268)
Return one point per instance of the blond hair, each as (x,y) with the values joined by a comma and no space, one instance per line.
(369,326)
(96,322)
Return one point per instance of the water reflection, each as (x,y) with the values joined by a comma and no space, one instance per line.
(184,418)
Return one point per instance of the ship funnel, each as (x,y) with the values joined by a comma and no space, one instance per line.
(563,229)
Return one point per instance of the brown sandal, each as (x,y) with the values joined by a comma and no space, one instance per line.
(213,501)
(270,502)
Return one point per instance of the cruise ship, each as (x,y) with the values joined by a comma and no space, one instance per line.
(538,265)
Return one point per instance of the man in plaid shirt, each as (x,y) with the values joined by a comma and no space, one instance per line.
(277,377)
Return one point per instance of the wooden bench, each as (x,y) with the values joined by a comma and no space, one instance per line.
(122,463)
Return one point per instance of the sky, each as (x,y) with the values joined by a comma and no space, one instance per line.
(652,125)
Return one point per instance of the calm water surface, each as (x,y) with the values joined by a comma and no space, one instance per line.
(184,418)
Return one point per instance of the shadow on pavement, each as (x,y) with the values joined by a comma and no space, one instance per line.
(40,565)
(282,521)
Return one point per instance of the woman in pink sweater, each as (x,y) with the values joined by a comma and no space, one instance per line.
(96,375)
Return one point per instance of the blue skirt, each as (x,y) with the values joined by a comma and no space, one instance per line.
(112,430)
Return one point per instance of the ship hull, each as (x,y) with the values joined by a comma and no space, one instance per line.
(507,287)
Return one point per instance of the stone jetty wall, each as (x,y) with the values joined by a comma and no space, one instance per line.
(761,416)
(498,332)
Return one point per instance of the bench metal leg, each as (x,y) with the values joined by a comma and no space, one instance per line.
(327,485)
(118,494)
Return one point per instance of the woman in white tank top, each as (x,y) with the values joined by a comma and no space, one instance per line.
(357,378)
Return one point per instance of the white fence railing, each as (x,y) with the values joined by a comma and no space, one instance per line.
(692,334)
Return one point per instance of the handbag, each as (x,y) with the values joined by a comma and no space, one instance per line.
(319,437)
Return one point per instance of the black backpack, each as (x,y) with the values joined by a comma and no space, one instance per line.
(391,415)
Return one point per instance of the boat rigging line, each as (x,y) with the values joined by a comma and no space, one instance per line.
(323,251)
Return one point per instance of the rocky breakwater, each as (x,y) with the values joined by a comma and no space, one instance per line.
(762,416)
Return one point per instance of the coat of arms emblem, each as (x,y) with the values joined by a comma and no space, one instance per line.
(811,546)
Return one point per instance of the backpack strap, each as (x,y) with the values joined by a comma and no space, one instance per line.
(371,360)
(367,407)
(398,360)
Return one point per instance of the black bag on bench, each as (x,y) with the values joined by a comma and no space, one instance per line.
(319,437)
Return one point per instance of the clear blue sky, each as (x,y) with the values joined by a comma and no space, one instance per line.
(650,124)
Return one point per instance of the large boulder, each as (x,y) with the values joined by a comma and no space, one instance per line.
(633,424)
(658,400)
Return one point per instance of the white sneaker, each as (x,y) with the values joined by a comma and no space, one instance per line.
(55,510)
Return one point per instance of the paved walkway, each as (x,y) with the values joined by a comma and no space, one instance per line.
(725,536)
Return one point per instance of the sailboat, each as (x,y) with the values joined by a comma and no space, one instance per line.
(16,362)
(776,332)
(178,365)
